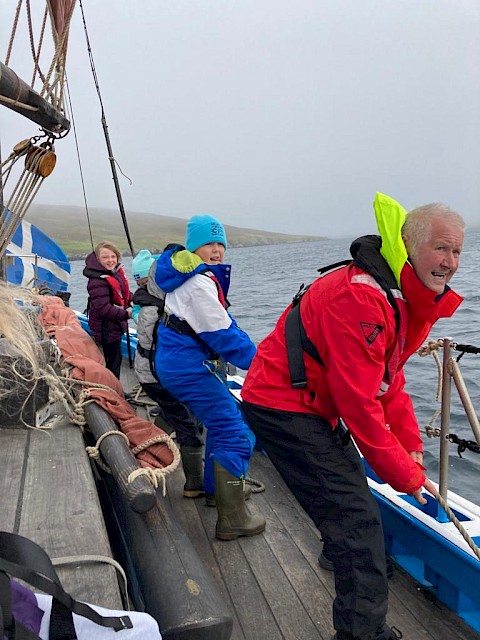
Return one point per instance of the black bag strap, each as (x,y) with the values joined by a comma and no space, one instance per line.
(9,627)
(24,559)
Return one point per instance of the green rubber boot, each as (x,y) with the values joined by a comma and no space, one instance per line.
(211,502)
(233,518)
(192,461)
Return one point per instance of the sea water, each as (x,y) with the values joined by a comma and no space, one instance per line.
(264,280)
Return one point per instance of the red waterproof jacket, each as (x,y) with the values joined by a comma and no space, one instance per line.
(349,320)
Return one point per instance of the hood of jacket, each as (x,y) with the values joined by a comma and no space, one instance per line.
(93,268)
(176,267)
(423,302)
(152,287)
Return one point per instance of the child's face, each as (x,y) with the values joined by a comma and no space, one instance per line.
(108,259)
(211,253)
(142,282)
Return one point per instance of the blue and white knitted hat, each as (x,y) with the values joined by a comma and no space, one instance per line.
(202,229)
(141,264)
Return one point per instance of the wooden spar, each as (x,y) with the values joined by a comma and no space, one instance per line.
(140,493)
(175,586)
(14,93)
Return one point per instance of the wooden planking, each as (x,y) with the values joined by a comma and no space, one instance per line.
(273,582)
(188,517)
(13,452)
(59,509)
(305,579)
(253,618)
(425,616)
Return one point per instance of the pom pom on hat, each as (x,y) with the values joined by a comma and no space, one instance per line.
(202,229)
(141,264)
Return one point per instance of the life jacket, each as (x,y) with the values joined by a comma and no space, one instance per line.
(120,294)
(366,255)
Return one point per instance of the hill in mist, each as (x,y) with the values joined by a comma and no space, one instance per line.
(69,227)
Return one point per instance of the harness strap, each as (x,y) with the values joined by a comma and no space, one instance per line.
(180,326)
(296,338)
(145,353)
(183,328)
(297,342)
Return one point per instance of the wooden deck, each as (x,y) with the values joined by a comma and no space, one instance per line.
(49,495)
(272,583)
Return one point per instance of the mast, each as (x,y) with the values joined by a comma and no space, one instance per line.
(18,96)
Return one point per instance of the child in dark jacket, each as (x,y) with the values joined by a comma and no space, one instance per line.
(109,302)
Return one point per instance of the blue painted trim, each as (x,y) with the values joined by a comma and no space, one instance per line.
(441,567)
(133,337)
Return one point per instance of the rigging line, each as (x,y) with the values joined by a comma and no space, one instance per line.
(58,61)
(36,53)
(14,31)
(107,137)
(79,160)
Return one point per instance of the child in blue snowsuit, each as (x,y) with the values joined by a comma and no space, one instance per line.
(196,333)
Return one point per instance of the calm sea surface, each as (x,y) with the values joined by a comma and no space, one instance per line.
(264,280)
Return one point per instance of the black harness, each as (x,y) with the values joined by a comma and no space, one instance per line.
(183,328)
(366,255)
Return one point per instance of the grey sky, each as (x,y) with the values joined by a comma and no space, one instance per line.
(283,115)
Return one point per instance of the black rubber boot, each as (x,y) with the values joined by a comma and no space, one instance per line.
(192,461)
(325,562)
(233,518)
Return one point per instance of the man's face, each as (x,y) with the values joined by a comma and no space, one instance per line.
(436,260)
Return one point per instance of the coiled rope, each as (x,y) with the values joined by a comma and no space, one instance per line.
(61,387)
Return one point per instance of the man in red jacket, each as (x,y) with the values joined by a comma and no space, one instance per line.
(336,358)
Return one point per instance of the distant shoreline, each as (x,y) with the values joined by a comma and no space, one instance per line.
(77,257)
(69,227)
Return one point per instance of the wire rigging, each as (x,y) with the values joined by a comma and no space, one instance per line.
(107,137)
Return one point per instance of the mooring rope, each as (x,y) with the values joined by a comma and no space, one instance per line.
(256,485)
(464,533)
(93,559)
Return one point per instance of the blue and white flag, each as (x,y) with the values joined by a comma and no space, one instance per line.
(53,267)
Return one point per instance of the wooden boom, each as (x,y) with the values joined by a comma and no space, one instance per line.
(18,96)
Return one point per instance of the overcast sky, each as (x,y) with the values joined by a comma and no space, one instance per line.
(284,115)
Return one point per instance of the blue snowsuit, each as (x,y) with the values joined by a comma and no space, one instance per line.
(184,363)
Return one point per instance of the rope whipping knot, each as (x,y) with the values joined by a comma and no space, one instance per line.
(94,452)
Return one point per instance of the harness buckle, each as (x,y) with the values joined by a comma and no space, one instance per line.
(300,384)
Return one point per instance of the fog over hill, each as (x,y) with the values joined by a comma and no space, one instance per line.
(71,228)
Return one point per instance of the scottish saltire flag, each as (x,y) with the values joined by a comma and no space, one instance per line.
(53,267)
